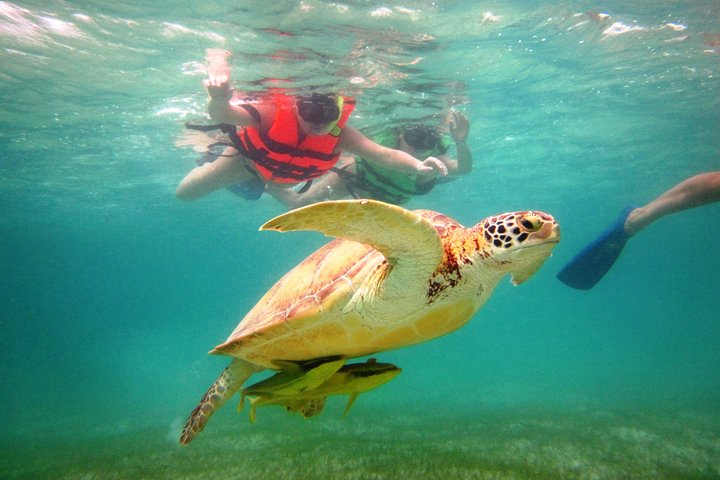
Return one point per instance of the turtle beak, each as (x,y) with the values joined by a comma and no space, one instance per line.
(549,230)
(554,233)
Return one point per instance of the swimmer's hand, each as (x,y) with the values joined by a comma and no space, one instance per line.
(219,94)
(459,126)
(432,167)
(218,88)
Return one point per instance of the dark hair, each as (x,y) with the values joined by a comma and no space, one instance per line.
(318,108)
(421,137)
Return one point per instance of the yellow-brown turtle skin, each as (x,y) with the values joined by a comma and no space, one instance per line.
(395,278)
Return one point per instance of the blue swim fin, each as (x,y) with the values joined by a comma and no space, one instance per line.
(594,261)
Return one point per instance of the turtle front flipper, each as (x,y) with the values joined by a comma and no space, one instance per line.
(408,241)
(229,381)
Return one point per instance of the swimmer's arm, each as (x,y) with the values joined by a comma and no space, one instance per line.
(459,129)
(463,164)
(219,108)
(355,142)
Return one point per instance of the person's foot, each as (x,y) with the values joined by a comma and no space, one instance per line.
(633,222)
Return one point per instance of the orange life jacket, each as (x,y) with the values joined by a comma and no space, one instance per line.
(284,153)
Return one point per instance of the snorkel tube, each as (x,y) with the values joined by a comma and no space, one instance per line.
(334,129)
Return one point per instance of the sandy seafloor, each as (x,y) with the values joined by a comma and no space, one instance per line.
(518,443)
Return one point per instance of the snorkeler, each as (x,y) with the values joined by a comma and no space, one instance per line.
(288,140)
(361,177)
(590,265)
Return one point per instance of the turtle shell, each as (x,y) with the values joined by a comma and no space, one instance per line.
(306,314)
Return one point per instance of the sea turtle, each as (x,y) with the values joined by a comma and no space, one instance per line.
(289,389)
(390,279)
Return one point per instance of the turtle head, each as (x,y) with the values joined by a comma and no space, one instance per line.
(519,242)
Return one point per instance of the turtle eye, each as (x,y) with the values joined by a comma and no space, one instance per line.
(531,223)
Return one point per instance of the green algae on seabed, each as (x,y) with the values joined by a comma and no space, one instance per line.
(506,444)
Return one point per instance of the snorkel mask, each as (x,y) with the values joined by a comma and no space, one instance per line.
(320,109)
(421,137)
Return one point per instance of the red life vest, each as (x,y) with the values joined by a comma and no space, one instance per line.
(285,154)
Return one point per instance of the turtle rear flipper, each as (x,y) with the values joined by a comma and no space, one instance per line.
(307,407)
(219,392)
(312,407)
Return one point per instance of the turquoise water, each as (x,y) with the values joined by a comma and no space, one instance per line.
(113,290)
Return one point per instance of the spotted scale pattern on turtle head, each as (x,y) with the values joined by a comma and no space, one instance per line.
(519,242)
(513,229)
